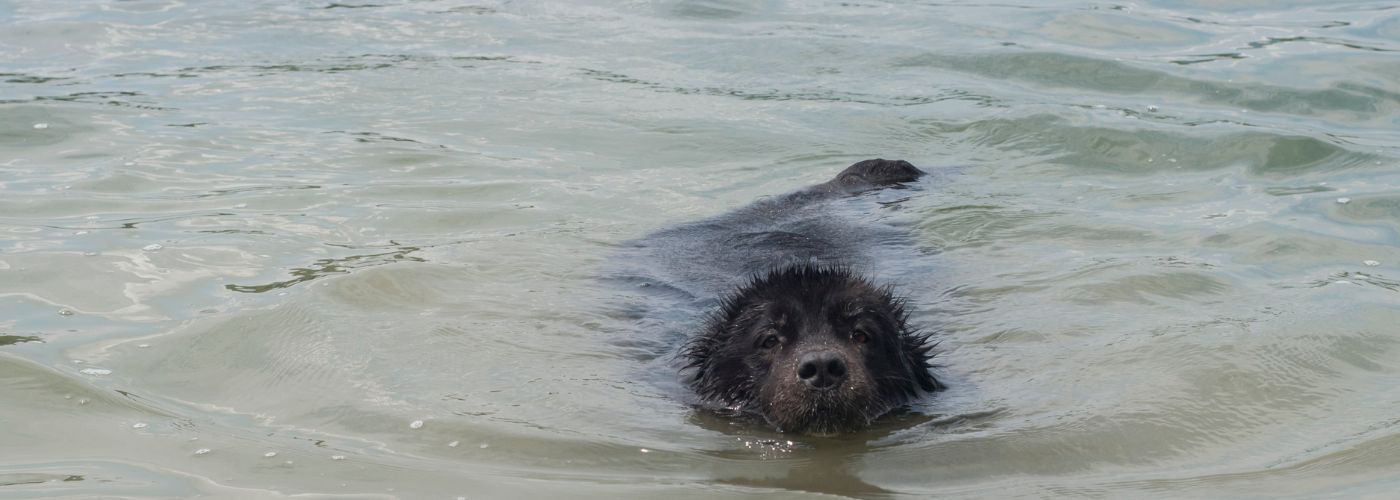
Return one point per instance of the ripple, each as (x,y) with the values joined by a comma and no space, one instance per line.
(119,98)
(376,212)
(18,339)
(1058,70)
(812,95)
(1145,151)
(328,267)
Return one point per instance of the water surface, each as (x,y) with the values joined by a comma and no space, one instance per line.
(259,249)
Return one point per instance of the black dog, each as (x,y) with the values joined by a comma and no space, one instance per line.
(806,343)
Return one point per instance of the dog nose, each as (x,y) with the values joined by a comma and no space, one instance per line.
(821,369)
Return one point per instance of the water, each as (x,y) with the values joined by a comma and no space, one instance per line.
(368,237)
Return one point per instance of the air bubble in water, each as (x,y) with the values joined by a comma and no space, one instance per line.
(1343,201)
(202,451)
(417,424)
(1372,263)
(138,425)
(95,371)
(152,247)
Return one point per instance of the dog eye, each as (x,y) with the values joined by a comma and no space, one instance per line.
(860,337)
(770,341)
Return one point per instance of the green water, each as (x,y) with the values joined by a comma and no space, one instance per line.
(246,246)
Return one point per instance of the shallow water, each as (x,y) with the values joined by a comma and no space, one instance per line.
(246,247)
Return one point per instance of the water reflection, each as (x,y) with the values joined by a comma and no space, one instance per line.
(327,267)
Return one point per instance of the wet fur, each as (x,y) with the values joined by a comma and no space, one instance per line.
(796,259)
(725,371)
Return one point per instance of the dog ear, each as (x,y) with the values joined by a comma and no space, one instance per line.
(919,349)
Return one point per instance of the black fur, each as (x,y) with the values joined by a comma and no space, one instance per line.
(811,307)
(842,351)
